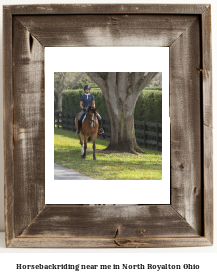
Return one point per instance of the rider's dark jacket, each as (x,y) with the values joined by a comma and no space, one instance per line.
(87,99)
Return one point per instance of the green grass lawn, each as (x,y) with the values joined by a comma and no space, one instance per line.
(113,166)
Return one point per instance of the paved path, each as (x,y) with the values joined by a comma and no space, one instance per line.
(63,173)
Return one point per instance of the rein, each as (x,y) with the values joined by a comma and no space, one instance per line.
(92,120)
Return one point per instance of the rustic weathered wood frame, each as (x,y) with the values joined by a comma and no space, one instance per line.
(186,29)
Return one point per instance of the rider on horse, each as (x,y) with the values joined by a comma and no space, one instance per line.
(87,99)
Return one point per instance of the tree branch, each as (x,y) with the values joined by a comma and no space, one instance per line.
(97,79)
(144,81)
(103,75)
(137,88)
(138,76)
(73,83)
(122,85)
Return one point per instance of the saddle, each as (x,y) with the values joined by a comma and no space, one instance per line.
(84,116)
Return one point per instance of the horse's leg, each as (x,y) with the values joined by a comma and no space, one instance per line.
(85,145)
(94,146)
(81,142)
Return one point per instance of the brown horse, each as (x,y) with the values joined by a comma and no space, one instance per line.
(90,127)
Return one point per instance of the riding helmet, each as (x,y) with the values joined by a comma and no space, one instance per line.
(86,87)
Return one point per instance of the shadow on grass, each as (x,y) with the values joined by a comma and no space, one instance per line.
(103,142)
(72,135)
(108,166)
(112,161)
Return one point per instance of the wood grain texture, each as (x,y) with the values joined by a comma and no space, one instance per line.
(107,30)
(62,242)
(208,183)
(109,222)
(207,122)
(29,130)
(185,114)
(207,67)
(8,125)
(29,223)
(107,9)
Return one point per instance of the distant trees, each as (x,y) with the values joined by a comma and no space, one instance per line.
(63,81)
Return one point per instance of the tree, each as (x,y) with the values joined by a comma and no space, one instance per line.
(121,91)
(63,80)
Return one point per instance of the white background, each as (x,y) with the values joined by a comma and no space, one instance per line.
(206,256)
(68,59)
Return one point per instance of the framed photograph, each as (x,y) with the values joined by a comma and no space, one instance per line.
(107,40)
(115,170)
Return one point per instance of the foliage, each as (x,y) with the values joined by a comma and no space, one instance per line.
(114,166)
(71,101)
(64,81)
(148,106)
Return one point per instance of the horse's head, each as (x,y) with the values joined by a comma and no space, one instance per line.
(92,111)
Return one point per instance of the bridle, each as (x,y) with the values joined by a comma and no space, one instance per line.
(92,120)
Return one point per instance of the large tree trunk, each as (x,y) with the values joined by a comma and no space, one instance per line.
(121,91)
(122,131)
(120,103)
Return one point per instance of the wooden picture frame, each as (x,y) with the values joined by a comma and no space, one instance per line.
(186,30)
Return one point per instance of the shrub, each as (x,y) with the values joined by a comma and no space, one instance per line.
(148,106)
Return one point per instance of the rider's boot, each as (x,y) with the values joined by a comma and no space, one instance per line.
(79,126)
(101,131)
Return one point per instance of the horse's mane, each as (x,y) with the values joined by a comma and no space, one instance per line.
(92,109)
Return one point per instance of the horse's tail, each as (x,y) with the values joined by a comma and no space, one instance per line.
(76,120)
(89,139)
